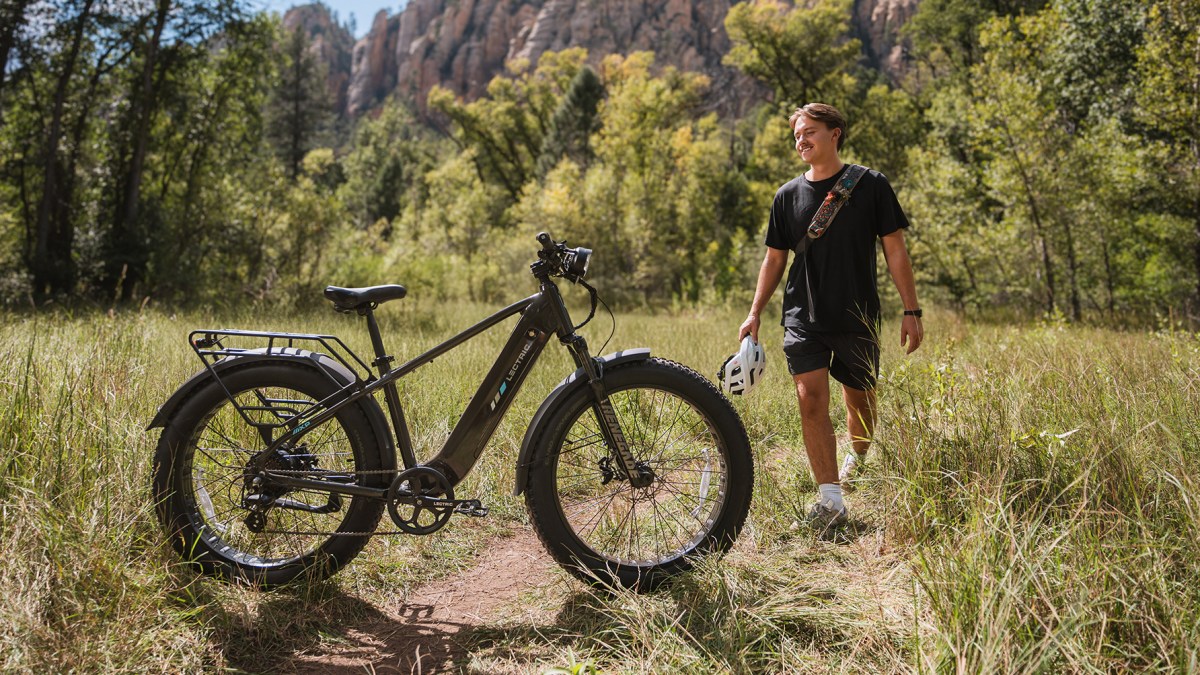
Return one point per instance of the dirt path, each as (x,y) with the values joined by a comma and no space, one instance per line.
(419,636)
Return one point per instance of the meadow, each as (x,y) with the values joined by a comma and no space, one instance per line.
(1032,503)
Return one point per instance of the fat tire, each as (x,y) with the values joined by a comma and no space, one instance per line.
(661,380)
(198,541)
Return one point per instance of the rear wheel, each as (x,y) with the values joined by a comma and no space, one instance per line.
(232,527)
(676,423)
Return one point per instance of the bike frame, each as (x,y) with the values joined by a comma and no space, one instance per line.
(542,314)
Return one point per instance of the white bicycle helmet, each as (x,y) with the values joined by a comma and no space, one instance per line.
(742,371)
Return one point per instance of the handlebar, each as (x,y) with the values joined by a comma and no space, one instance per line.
(569,263)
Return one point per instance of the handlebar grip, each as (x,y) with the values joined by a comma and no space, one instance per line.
(546,241)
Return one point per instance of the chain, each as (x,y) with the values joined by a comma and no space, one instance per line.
(375,533)
(326,472)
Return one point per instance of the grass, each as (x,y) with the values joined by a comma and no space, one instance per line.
(1032,503)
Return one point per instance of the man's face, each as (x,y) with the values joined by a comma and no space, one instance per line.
(815,142)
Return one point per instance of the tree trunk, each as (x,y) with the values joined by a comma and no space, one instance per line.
(1072,271)
(127,249)
(1038,228)
(51,265)
(12,17)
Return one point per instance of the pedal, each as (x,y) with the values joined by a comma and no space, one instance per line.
(471,507)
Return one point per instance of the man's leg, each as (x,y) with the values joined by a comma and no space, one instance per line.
(812,390)
(860,417)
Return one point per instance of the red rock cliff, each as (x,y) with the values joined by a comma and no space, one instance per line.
(463,44)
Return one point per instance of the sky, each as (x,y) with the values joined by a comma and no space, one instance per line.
(363,10)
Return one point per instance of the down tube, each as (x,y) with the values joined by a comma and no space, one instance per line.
(495,395)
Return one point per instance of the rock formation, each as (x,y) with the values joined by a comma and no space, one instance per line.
(329,42)
(463,44)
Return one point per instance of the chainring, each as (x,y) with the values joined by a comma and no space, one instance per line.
(420,500)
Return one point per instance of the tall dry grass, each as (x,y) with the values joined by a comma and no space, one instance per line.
(1031,503)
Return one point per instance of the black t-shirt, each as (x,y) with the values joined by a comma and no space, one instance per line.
(841,264)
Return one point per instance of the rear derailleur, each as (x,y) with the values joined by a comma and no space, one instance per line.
(260,495)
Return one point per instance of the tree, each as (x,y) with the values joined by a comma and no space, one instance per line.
(168,29)
(573,123)
(802,53)
(945,33)
(505,130)
(299,108)
(386,165)
(1169,102)
(51,264)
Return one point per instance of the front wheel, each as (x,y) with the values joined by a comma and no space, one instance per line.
(676,423)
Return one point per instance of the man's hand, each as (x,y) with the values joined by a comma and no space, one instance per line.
(911,333)
(749,326)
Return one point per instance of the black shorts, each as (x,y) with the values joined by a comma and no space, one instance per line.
(852,358)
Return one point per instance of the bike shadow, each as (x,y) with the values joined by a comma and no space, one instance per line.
(321,629)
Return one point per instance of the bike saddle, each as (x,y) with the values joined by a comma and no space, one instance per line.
(351,299)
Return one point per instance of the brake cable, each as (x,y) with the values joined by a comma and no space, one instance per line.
(595,297)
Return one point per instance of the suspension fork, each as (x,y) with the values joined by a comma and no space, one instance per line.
(639,474)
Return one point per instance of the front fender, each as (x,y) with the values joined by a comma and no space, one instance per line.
(342,375)
(560,393)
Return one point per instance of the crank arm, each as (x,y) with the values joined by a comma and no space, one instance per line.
(470,507)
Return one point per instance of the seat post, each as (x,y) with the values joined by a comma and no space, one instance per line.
(383,363)
(382,359)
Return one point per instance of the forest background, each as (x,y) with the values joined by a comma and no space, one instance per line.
(1047,153)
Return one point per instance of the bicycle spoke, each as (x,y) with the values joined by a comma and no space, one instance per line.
(657,522)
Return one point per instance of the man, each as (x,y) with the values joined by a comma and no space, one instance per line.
(831,303)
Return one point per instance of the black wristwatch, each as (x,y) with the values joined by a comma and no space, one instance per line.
(913,312)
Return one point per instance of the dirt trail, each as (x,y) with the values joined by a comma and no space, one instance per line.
(419,635)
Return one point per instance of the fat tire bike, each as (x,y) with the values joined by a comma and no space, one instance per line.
(276,462)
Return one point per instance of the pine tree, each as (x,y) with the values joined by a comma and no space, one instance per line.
(573,123)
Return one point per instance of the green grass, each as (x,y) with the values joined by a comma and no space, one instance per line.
(1032,504)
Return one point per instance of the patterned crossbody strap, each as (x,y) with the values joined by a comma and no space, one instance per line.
(837,196)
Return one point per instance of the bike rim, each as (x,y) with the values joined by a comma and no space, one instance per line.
(215,485)
(657,524)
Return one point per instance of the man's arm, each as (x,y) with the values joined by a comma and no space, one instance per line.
(768,279)
(900,267)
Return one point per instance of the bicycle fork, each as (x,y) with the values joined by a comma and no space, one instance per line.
(640,475)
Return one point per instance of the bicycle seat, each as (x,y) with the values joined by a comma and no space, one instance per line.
(350,299)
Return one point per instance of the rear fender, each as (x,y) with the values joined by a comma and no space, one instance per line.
(340,374)
(572,383)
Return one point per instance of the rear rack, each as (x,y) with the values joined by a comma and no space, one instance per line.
(266,415)
(209,345)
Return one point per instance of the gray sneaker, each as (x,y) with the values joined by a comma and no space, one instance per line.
(826,520)
(852,468)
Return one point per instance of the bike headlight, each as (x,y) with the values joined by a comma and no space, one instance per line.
(575,263)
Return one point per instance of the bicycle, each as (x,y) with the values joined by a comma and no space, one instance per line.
(276,462)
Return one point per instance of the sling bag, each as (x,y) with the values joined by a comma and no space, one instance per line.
(838,195)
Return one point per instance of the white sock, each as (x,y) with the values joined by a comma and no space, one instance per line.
(831,496)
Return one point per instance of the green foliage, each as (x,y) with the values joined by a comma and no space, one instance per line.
(802,53)
(299,108)
(1037,182)
(658,202)
(573,123)
(945,33)
(385,166)
(504,131)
